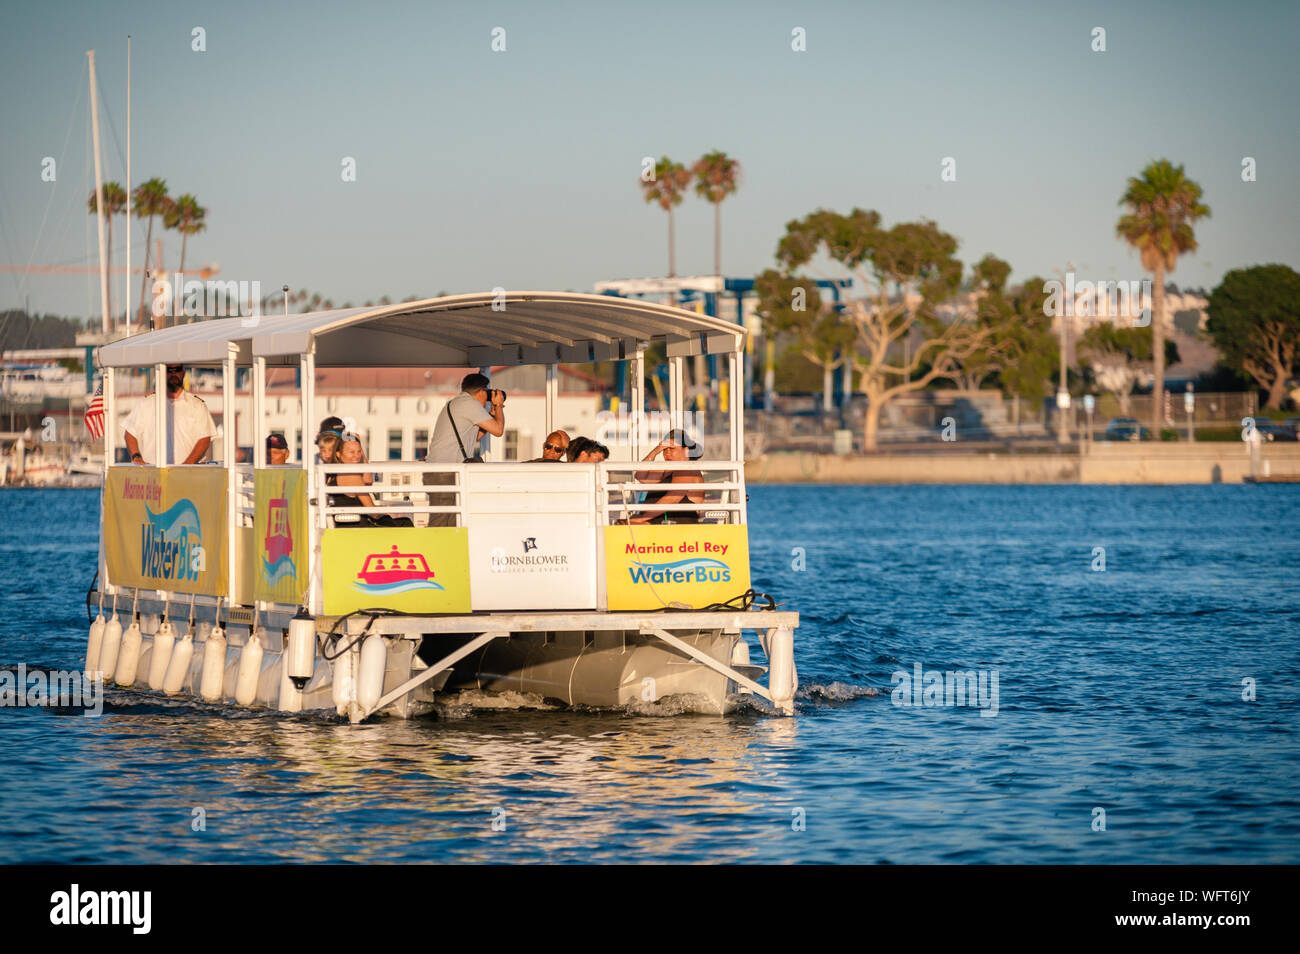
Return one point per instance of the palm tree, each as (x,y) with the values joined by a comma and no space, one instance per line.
(114,203)
(667,188)
(150,199)
(1162,205)
(717,176)
(185,216)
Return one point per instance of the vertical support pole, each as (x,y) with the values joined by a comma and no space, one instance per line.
(110,452)
(232,472)
(162,435)
(636,421)
(676,385)
(307,367)
(552,395)
(259,412)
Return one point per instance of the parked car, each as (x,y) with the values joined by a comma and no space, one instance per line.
(1125,429)
(1271,430)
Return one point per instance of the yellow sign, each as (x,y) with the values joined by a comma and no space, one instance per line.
(415,570)
(649,567)
(280,533)
(165,528)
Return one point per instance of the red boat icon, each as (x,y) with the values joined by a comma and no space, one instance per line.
(279,540)
(393,567)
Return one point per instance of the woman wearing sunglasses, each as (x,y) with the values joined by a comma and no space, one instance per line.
(348,451)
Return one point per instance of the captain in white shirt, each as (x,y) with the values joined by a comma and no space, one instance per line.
(190,428)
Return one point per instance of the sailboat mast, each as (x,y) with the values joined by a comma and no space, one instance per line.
(99,194)
(128,183)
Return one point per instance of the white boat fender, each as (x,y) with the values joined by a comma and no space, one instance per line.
(344,689)
(178,667)
(128,657)
(250,670)
(163,642)
(290,696)
(780,677)
(93,644)
(370,672)
(108,650)
(300,654)
(214,665)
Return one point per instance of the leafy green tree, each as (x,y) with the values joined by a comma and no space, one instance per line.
(149,200)
(794,309)
(717,176)
(186,216)
(905,273)
(1021,351)
(1254,321)
(1162,205)
(668,187)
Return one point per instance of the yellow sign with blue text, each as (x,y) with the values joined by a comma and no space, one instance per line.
(412,569)
(650,567)
(165,528)
(280,532)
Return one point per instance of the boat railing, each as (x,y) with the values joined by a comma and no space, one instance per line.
(722,484)
(607,493)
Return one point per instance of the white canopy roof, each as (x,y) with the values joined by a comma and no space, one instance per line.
(531,327)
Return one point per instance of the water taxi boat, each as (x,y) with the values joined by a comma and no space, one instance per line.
(246,584)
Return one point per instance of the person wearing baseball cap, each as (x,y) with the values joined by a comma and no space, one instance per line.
(677,446)
(277,450)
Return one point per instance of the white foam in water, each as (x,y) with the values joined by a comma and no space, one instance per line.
(835,692)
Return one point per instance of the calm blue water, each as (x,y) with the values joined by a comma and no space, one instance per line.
(1119,690)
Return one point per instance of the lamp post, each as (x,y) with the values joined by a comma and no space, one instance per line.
(1062,392)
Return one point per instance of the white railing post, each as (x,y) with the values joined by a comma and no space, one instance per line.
(228,454)
(259,412)
(162,436)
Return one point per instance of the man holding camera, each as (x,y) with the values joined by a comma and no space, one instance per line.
(478,409)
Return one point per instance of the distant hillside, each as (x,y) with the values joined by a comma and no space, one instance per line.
(21,330)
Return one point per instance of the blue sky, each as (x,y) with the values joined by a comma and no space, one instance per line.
(477,169)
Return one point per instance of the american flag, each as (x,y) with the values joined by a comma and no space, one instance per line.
(95,411)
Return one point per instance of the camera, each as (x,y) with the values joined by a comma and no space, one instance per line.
(496,396)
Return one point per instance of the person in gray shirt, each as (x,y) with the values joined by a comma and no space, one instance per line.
(478,409)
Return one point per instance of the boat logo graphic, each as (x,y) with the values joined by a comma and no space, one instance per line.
(171,542)
(277,556)
(691,570)
(388,574)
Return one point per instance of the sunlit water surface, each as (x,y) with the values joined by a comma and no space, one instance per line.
(1119,690)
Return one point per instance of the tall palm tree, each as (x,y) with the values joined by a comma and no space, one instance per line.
(667,188)
(1162,205)
(114,204)
(185,216)
(149,199)
(717,176)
